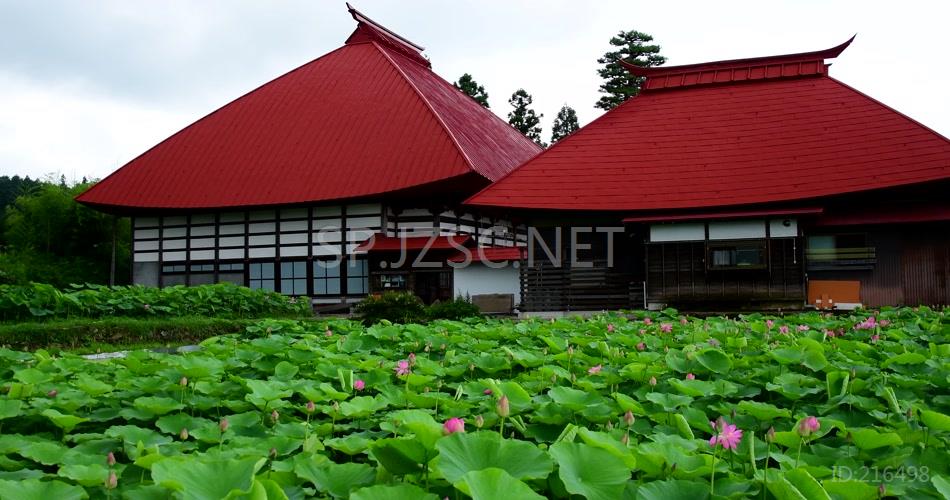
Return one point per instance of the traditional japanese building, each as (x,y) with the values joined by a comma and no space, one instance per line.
(292,186)
(753,183)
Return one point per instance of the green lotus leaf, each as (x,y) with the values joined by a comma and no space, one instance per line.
(10,408)
(806,484)
(850,490)
(285,371)
(419,423)
(460,453)
(32,376)
(573,398)
(157,405)
(714,360)
(173,424)
(669,402)
(492,483)
(907,358)
(86,475)
(935,420)
(65,422)
(400,455)
(197,479)
(92,386)
(673,489)
(941,484)
(591,472)
(870,439)
(44,452)
(34,489)
(337,479)
(762,411)
(604,441)
(362,406)
(398,492)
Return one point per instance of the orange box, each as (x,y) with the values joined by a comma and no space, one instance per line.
(824,294)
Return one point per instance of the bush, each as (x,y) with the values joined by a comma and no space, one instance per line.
(397,307)
(41,302)
(453,309)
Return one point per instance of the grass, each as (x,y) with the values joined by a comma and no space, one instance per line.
(114,334)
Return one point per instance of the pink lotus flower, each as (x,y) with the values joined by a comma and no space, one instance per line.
(808,426)
(875,337)
(641,346)
(666,327)
(783,329)
(610,328)
(769,323)
(884,323)
(359,385)
(690,376)
(328,333)
(684,321)
(595,369)
(453,425)
(503,407)
(223,425)
(487,392)
(647,321)
(729,435)
(803,328)
(402,368)
(52,393)
(112,481)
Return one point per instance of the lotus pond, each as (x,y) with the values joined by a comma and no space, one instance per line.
(641,405)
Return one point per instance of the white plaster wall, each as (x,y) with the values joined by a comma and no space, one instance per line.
(477,279)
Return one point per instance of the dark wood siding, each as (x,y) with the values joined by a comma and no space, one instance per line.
(677,274)
(912,267)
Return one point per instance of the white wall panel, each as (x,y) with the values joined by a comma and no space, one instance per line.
(231,241)
(146,245)
(736,230)
(202,219)
(146,233)
(231,217)
(363,209)
(327,224)
(177,220)
(231,253)
(231,229)
(174,232)
(202,255)
(295,238)
(262,227)
(261,239)
(296,225)
(293,251)
(678,232)
(326,250)
(173,244)
(202,231)
(262,215)
(173,256)
(363,221)
(293,213)
(146,257)
(325,237)
(202,243)
(146,222)
(778,229)
(327,211)
(255,253)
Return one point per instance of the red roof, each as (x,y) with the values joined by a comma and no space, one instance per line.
(712,135)
(382,243)
(490,254)
(365,119)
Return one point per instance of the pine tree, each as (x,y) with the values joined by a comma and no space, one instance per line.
(619,84)
(565,124)
(469,86)
(523,118)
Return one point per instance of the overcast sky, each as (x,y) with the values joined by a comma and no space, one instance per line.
(87,86)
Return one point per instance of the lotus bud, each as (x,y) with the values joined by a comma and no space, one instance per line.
(336,406)
(653,381)
(223,425)
(441,347)
(503,407)
(570,350)
(471,367)
(269,330)
(628,418)
(359,384)
(183,382)
(479,421)
(881,490)
(453,425)
(310,408)
(272,453)
(183,434)
(274,416)
(112,481)
(328,333)
(110,459)
(412,358)
(52,393)
(610,425)
(770,435)
(641,346)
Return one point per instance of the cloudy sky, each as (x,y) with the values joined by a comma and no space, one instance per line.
(85,86)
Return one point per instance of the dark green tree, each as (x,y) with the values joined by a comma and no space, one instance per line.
(469,86)
(523,118)
(52,239)
(619,84)
(565,123)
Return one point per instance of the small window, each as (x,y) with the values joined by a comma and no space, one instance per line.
(202,268)
(357,277)
(173,268)
(261,275)
(737,255)
(326,277)
(231,266)
(825,252)
(293,278)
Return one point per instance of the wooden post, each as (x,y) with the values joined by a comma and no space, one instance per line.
(115,231)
